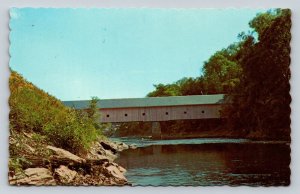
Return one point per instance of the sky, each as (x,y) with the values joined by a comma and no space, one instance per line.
(75,54)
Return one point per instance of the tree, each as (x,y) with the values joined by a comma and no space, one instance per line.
(191,86)
(254,73)
(221,71)
(93,112)
(165,90)
(263,100)
(263,21)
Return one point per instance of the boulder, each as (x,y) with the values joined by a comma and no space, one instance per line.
(98,152)
(109,146)
(114,146)
(121,169)
(92,155)
(133,146)
(64,154)
(34,176)
(122,146)
(64,174)
(115,171)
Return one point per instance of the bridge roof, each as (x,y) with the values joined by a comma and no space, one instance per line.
(150,101)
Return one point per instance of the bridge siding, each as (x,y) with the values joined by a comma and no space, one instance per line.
(159,113)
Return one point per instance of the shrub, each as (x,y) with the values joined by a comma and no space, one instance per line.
(33,110)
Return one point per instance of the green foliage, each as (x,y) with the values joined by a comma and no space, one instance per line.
(38,138)
(182,87)
(221,72)
(263,102)
(33,110)
(253,72)
(15,164)
(191,86)
(92,111)
(264,20)
(94,114)
(71,132)
(165,90)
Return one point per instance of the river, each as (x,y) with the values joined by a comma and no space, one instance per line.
(206,162)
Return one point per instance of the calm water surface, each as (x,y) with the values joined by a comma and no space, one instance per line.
(206,162)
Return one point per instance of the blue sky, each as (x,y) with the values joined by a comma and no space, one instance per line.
(74,54)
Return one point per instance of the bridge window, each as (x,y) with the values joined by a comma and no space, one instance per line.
(107,115)
(202,111)
(144,114)
(126,115)
(167,113)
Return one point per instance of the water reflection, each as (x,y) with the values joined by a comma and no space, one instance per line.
(208,164)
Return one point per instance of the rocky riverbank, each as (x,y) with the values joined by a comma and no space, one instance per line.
(62,167)
(41,125)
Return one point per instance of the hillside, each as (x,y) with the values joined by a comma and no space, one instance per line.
(52,144)
(33,110)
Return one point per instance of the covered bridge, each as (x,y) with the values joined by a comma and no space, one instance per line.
(155,108)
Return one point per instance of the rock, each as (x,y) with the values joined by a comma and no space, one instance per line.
(96,156)
(29,135)
(34,176)
(109,146)
(32,150)
(122,170)
(65,175)
(64,154)
(114,146)
(98,152)
(115,171)
(122,146)
(133,146)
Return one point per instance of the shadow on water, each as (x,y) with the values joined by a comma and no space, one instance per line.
(208,164)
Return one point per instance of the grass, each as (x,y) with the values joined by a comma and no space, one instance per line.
(36,112)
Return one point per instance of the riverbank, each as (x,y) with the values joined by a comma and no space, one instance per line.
(51,144)
(49,165)
(207,128)
(279,135)
(221,133)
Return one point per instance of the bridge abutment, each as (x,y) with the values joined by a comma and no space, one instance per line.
(156,130)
